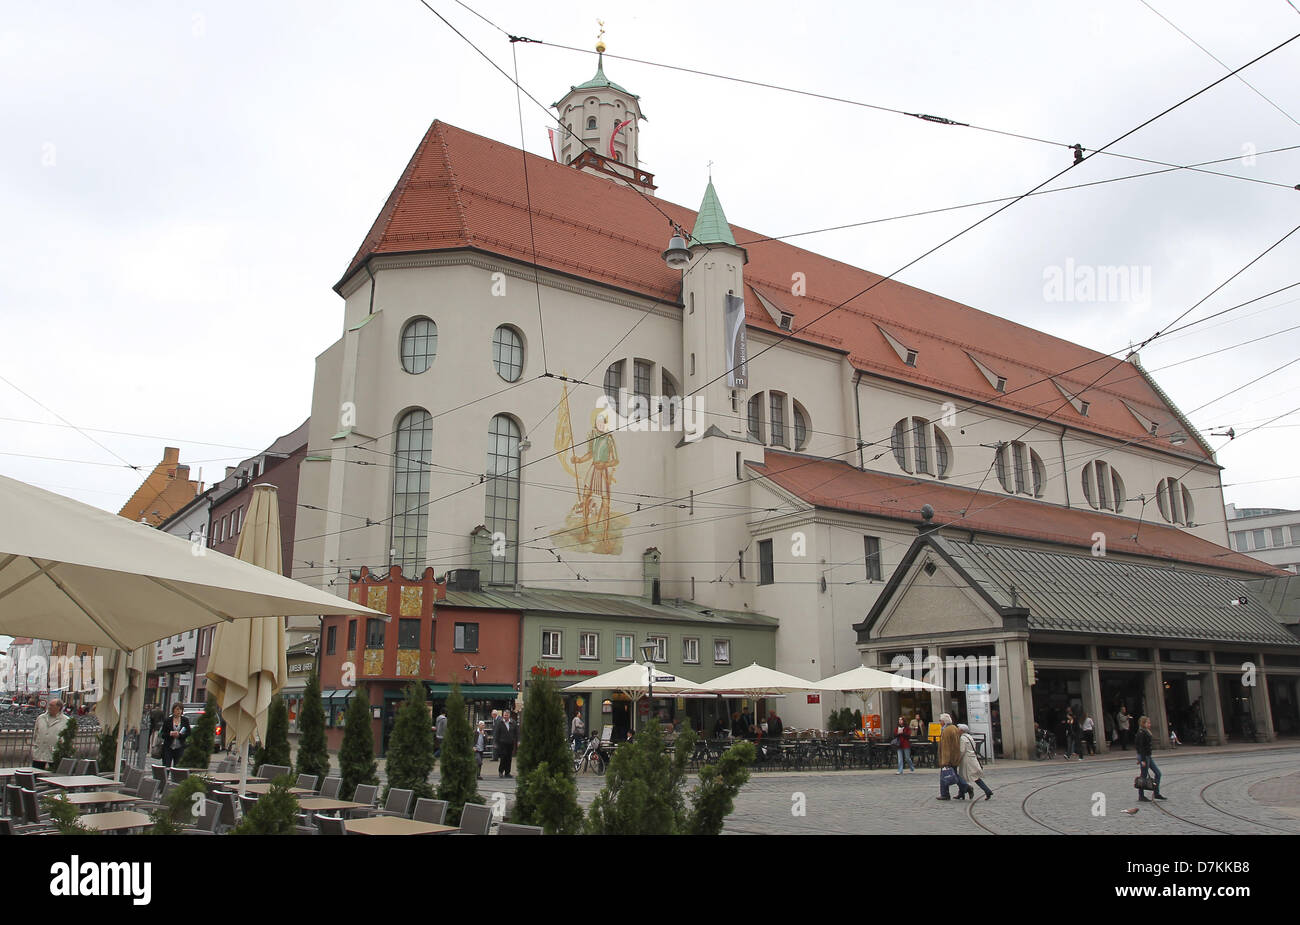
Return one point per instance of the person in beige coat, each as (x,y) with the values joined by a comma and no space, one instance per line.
(969,768)
(45,737)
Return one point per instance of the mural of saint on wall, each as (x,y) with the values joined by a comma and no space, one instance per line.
(592,524)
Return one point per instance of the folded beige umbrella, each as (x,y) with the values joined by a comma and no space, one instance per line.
(247,667)
(123,684)
(72,571)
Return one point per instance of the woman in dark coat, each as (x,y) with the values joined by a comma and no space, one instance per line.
(175,732)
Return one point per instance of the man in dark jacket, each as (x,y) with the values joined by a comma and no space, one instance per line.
(504,735)
(1146,764)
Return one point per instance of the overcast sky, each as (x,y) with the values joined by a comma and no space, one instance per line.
(182,185)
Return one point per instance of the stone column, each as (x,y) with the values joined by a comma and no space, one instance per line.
(1260,705)
(1094,705)
(1153,693)
(1212,707)
(1015,699)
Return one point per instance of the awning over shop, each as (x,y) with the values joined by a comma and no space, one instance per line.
(476,691)
(336,697)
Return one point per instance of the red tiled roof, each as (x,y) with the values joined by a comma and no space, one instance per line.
(829,483)
(461,190)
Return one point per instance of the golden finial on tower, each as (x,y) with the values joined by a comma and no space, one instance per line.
(600,38)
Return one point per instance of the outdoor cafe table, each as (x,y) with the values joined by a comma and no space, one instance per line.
(228,777)
(10,772)
(395,825)
(263,788)
(327,805)
(100,798)
(80,782)
(121,821)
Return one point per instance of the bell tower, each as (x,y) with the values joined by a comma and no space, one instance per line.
(600,128)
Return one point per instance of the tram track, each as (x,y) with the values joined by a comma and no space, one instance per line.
(1059,780)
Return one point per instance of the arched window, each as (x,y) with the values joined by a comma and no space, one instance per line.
(671,404)
(591,123)
(1175,502)
(755,417)
(508,353)
(501,514)
(776,422)
(1020,469)
(419,344)
(614,384)
(800,425)
(412,455)
(1102,487)
(920,446)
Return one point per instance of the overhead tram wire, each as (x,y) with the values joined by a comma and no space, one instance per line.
(790,334)
(938,120)
(989,202)
(1219,61)
(528,199)
(50,410)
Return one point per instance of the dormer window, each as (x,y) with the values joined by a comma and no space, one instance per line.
(787,320)
(910,360)
(1001,385)
(905,353)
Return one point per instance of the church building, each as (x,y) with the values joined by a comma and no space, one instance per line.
(548,379)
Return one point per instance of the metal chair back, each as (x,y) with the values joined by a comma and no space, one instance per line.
(329,788)
(434,811)
(306,781)
(331,825)
(365,794)
(398,802)
(514,828)
(66,766)
(475,819)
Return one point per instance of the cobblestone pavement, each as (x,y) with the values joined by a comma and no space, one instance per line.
(1243,791)
(1214,791)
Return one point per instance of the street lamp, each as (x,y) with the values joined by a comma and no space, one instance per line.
(648,654)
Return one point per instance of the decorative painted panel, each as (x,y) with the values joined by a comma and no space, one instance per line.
(408,663)
(412,600)
(374,661)
(378,598)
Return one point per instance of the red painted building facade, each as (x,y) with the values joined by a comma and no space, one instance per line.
(424,640)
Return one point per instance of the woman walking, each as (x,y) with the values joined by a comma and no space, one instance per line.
(175,731)
(903,743)
(1142,742)
(970,769)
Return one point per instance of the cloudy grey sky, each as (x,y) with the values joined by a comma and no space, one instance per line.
(183,183)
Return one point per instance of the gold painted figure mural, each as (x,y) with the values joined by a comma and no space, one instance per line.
(592,524)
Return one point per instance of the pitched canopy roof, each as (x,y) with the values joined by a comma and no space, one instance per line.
(833,484)
(461,190)
(1102,595)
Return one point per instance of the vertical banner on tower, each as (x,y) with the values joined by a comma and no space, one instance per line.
(737,347)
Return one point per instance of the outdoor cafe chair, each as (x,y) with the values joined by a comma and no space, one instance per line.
(272,771)
(305,830)
(513,828)
(331,825)
(229,807)
(475,819)
(329,788)
(366,796)
(210,818)
(66,767)
(247,802)
(307,782)
(131,779)
(427,810)
(27,780)
(398,803)
(159,772)
(88,766)
(176,775)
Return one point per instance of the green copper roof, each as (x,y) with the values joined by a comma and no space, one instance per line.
(711,223)
(600,82)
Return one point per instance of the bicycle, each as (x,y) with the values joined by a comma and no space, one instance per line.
(1046,746)
(592,757)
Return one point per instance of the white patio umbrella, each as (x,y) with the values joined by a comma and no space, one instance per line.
(756,681)
(635,681)
(865,681)
(247,667)
(72,571)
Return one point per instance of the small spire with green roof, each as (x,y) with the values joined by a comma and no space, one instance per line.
(711,223)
